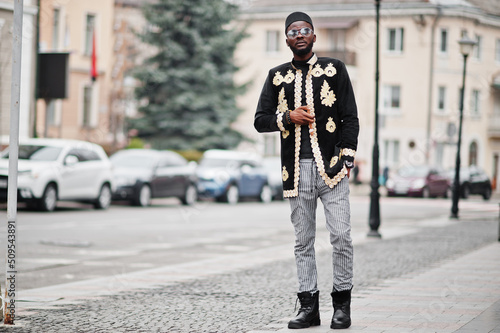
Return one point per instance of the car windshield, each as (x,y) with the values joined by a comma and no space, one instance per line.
(134,160)
(218,163)
(37,153)
(464,173)
(413,172)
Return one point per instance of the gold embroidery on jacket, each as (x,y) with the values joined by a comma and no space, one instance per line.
(282,103)
(327,95)
(348,152)
(289,77)
(330,182)
(330,125)
(279,121)
(330,70)
(334,161)
(278,79)
(296,168)
(318,71)
(284,174)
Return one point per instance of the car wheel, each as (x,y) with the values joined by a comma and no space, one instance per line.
(426,193)
(143,198)
(190,196)
(266,195)
(487,193)
(465,191)
(103,201)
(48,201)
(232,195)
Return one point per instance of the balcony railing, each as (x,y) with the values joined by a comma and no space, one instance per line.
(347,57)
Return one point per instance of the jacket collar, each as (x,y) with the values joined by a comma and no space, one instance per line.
(311,61)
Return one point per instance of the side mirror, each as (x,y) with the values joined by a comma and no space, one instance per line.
(70,160)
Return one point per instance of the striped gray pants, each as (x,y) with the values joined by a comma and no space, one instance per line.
(337,213)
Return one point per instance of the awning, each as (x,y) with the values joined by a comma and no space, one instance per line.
(335,23)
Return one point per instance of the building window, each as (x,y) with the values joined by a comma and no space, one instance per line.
(477,52)
(87,106)
(56,26)
(439,153)
(441,99)
(392,98)
(51,113)
(89,33)
(337,39)
(272,41)
(391,153)
(443,41)
(497,50)
(473,153)
(475,108)
(395,39)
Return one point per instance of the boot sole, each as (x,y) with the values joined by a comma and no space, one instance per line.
(315,322)
(341,326)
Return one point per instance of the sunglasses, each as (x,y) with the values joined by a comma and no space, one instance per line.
(306,32)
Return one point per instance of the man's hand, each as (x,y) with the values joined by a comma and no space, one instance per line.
(301,116)
(348,173)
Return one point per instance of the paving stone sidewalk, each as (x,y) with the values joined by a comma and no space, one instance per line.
(460,295)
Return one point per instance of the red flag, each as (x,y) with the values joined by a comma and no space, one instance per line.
(93,68)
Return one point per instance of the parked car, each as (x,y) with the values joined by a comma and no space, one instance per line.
(473,180)
(228,176)
(51,170)
(422,181)
(143,174)
(274,176)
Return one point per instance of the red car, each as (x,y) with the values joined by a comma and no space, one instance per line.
(419,181)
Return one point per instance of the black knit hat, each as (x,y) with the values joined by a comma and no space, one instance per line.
(298,16)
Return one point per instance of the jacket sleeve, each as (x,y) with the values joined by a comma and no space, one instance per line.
(349,117)
(266,119)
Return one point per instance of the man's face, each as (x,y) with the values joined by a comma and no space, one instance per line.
(300,45)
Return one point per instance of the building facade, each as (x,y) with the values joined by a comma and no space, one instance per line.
(28,58)
(76,27)
(420,75)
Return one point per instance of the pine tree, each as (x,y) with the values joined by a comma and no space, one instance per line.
(187,86)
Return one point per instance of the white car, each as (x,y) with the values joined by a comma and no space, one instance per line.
(51,170)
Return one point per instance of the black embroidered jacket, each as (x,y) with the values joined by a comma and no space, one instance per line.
(333,135)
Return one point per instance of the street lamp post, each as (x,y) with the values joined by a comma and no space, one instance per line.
(374,220)
(466,46)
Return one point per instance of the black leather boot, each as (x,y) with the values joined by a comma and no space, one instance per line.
(341,309)
(309,311)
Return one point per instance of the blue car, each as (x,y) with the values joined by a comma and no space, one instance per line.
(229,176)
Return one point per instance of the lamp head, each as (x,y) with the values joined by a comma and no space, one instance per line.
(466,45)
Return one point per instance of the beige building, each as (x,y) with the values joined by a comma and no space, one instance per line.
(421,74)
(69,26)
(28,58)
